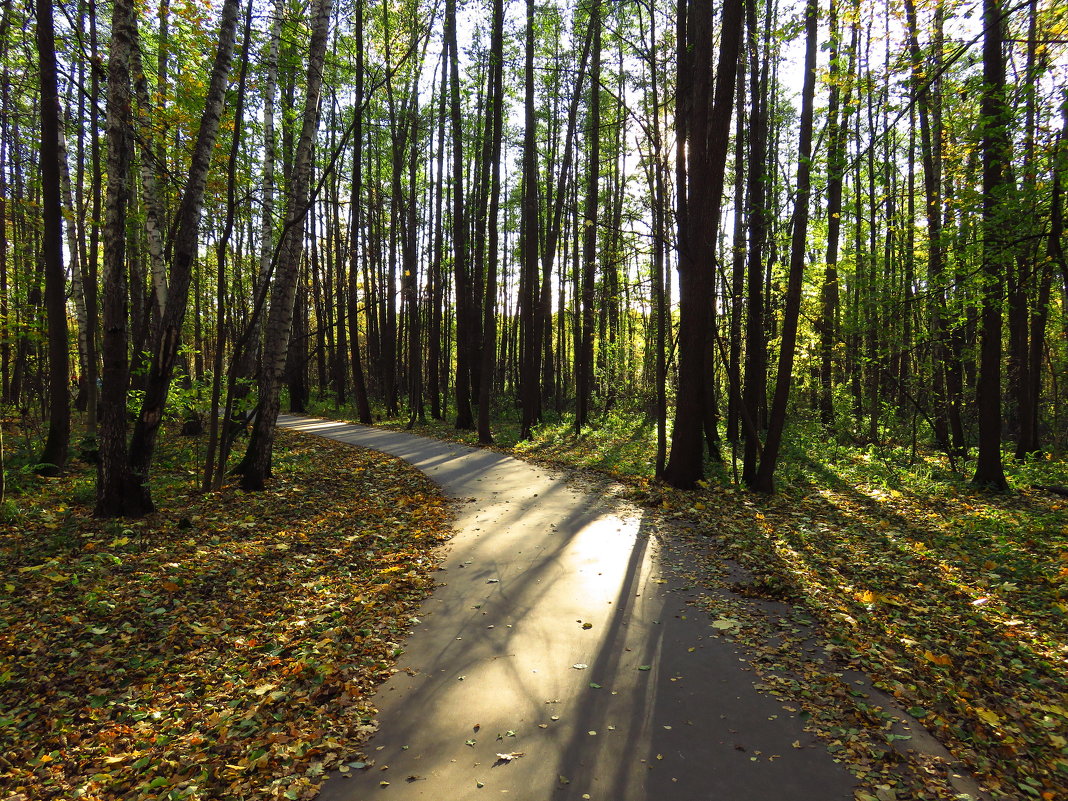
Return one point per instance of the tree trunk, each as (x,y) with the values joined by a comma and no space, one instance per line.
(764,480)
(186,242)
(221,249)
(529,372)
(584,345)
(495,122)
(359,382)
(995,151)
(54,455)
(416,411)
(837,106)
(707,117)
(756,355)
(256,464)
(113,468)
(461,269)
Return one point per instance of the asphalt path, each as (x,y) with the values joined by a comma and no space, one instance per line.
(555,662)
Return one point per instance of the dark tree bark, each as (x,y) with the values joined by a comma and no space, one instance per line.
(494,126)
(1034,272)
(584,343)
(989,471)
(113,466)
(416,411)
(257,461)
(529,372)
(221,250)
(461,270)
(436,278)
(837,107)
(764,479)
(755,387)
(737,275)
(707,110)
(186,241)
(54,455)
(944,368)
(359,383)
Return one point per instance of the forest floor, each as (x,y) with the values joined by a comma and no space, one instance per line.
(954,601)
(224,647)
(113,683)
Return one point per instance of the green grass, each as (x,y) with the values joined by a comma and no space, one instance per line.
(955,600)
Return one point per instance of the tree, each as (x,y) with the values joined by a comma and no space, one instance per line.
(54,455)
(705,112)
(764,479)
(989,471)
(465,352)
(584,345)
(112,496)
(492,171)
(168,339)
(529,305)
(256,465)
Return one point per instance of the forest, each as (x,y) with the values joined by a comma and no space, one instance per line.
(792,273)
(719,218)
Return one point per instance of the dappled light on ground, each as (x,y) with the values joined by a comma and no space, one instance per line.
(223,651)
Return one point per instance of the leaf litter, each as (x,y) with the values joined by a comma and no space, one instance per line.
(953,606)
(954,601)
(230,656)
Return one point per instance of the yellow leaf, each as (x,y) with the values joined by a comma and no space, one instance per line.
(938,659)
(988,715)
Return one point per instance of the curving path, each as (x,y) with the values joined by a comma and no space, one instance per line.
(554,636)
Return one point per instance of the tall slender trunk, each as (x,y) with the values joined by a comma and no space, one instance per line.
(186,242)
(495,122)
(529,374)
(707,117)
(113,468)
(764,480)
(756,355)
(221,252)
(359,382)
(54,455)
(257,461)
(584,345)
(995,151)
(416,410)
(461,269)
(837,107)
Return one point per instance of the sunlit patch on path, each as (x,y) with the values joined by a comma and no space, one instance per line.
(553,663)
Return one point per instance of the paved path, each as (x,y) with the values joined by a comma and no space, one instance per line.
(554,637)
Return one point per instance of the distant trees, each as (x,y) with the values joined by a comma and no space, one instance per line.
(602,209)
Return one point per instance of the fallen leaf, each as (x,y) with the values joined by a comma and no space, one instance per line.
(938,659)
